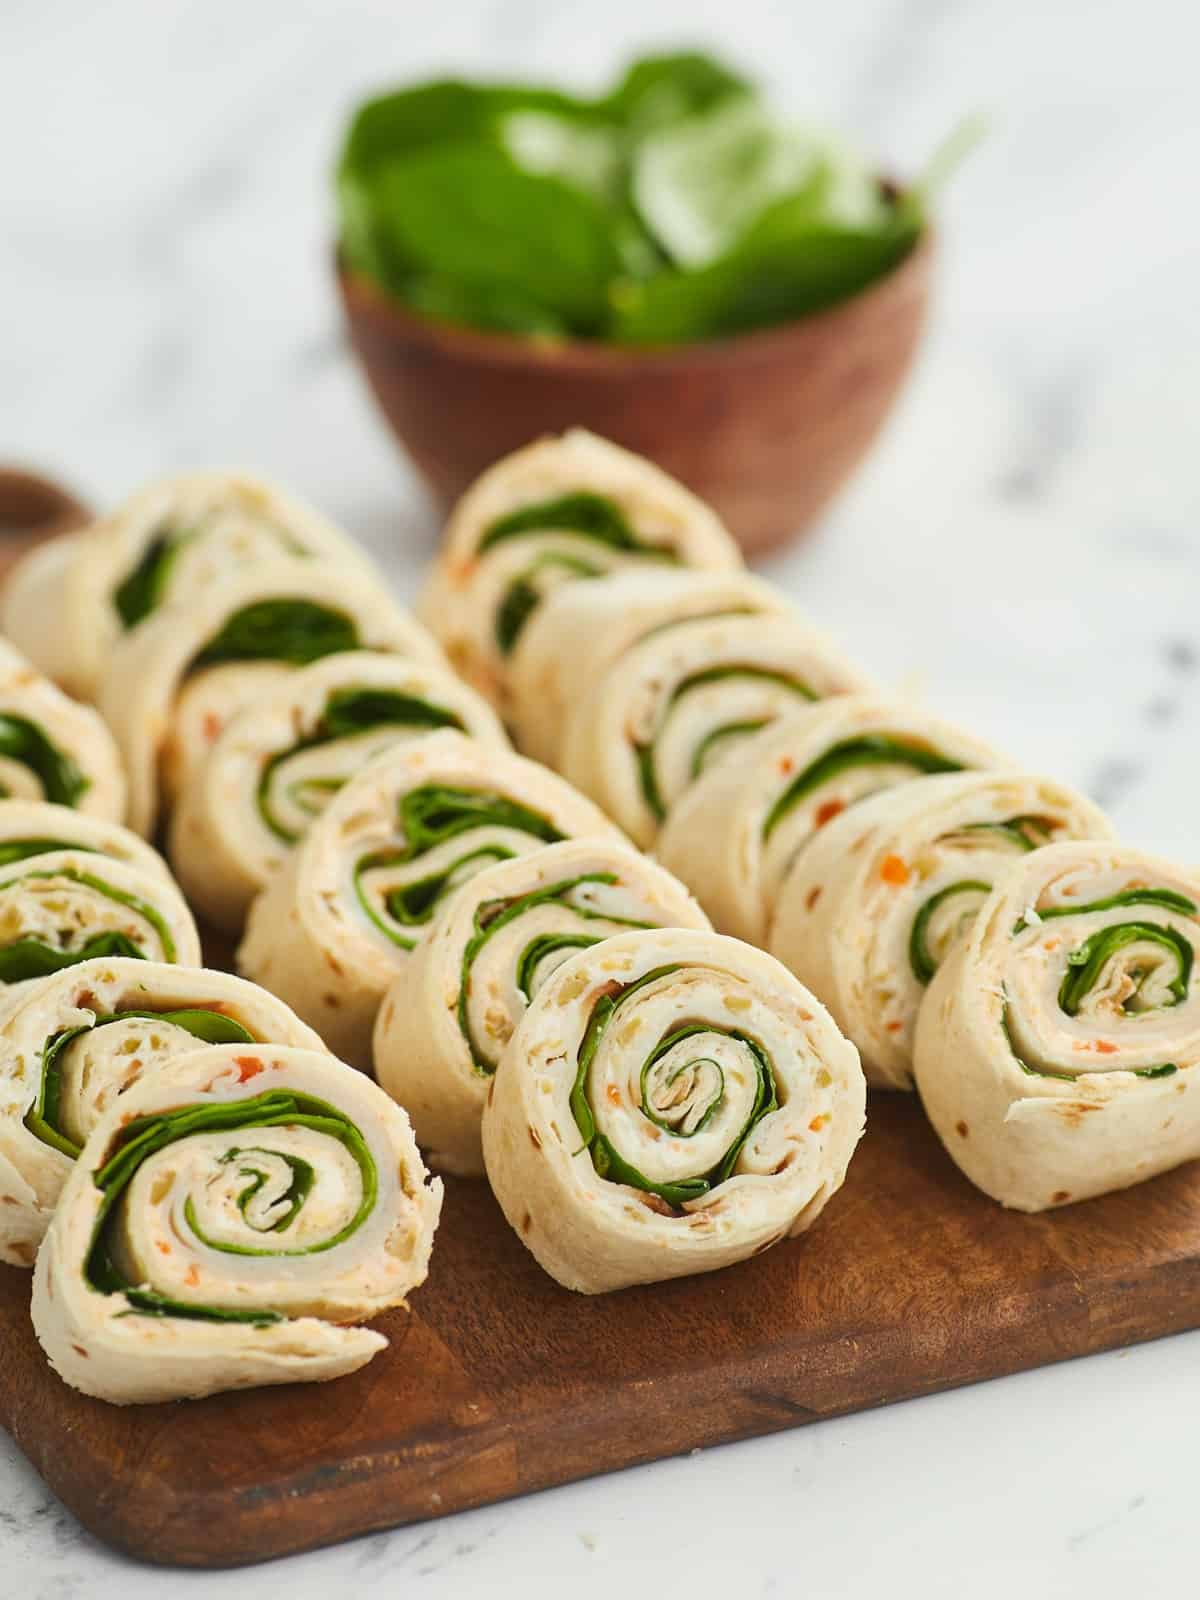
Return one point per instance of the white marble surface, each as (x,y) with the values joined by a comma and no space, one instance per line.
(1023,546)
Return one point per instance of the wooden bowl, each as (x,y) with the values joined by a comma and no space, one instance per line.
(766,426)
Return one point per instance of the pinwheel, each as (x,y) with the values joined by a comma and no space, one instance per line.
(681,700)
(69,601)
(356,896)
(174,682)
(51,747)
(1056,1045)
(880,895)
(580,630)
(60,906)
(561,509)
(225,1221)
(32,828)
(671,1102)
(788,781)
(33,612)
(278,763)
(492,945)
(72,1044)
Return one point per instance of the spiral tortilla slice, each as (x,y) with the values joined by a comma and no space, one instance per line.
(563,508)
(579,631)
(357,895)
(177,679)
(682,700)
(279,762)
(68,603)
(51,747)
(225,1220)
(1057,1047)
(670,1103)
(788,781)
(34,615)
(71,1045)
(31,828)
(492,946)
(61,907)
(879,897)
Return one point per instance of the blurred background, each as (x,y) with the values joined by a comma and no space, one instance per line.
(1021,546)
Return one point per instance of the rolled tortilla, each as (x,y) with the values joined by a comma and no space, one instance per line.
(279,762)
(335,924)
(671,1102)
(789,780)
(61,907)
(225,1221)
(30,828)
(492,946)
(69,602)
(34,616)
(561,509)
(682,700)
(51,747)
(72,1044)
(1057,1047)
(177,679)
(580,630)
(880,895)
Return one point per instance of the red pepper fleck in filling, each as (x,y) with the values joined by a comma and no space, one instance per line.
(894,871)
(248,1067)
(830,809)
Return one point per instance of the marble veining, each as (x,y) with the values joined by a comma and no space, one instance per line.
(1022,550)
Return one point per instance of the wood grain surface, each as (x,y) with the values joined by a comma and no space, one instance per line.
(500,1382)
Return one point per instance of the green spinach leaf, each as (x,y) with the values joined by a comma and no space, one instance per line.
(660,90)
(699,185)
(675,207)
(295,631)
(788,264)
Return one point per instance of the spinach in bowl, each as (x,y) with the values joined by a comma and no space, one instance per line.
(676,207)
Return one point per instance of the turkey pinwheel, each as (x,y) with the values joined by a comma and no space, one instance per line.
(70,600)
(491,947)
(334,925)
(52,748)
(174,682)
(37,827)
(281,760)
(878,898)
(561,509)
(670,1103)
(680,701)
(60,906)
(788,781)
(72,1044)
(580,630)
(1055,1047)
(226,1221)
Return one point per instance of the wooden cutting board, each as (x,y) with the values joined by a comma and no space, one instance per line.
(500,1382)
